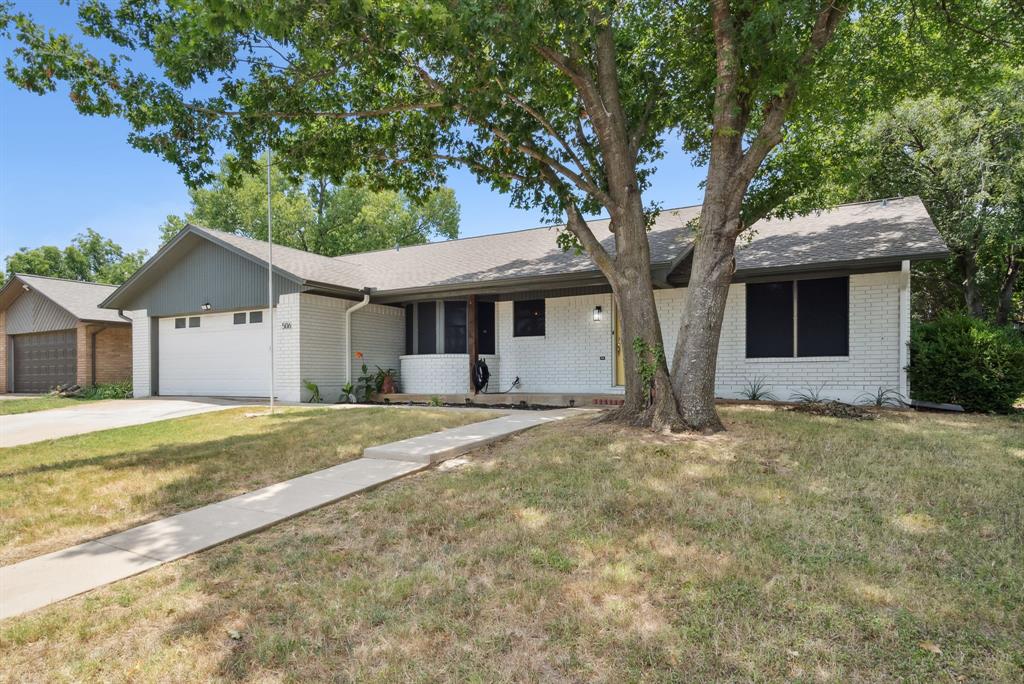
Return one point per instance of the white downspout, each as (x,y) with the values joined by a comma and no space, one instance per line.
(348,335)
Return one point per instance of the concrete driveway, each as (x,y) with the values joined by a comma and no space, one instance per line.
(25,428)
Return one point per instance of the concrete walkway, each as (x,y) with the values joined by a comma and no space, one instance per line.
(93,416)
(46,579)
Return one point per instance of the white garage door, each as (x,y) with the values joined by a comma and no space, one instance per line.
(219,355)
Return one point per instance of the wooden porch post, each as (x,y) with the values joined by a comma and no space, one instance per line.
(471,334)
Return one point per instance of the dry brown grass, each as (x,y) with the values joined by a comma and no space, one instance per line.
(792,548)
(58,493)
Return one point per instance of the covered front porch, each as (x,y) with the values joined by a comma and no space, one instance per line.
(559,347)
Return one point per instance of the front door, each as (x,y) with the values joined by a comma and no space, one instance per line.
(620,360)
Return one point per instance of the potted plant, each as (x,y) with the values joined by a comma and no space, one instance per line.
(385,381)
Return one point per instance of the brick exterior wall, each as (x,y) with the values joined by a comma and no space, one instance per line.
(576,354)
(113,353)
(4,344)
(312,346)
(443,373)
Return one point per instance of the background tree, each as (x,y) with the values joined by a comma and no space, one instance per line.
(90,257)
(965,158)
(315,215)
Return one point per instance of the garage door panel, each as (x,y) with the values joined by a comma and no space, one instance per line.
(216,358)
(44,360)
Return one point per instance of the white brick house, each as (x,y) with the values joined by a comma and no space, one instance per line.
(821,301)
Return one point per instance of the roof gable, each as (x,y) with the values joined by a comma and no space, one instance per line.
(79,299)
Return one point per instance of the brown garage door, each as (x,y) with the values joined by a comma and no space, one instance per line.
(44,360)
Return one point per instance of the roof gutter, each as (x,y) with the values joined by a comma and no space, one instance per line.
(348,334)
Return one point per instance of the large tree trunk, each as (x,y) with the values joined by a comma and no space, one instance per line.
(696,353)
(634,294)
(968,268)
(1009,284)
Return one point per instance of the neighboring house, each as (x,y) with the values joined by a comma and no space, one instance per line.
(817,300)
(55,333)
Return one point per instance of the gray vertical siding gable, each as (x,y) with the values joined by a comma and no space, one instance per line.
(208,273)
(32,312)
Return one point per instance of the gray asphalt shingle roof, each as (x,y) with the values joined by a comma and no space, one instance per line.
(867,231)
(504,256)
(81,300)
(870,232)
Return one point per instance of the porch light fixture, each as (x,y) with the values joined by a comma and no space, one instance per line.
(205,307)
(598,314)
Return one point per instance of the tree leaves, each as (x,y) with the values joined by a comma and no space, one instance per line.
(90,257)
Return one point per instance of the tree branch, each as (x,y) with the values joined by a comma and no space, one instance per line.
(770,133)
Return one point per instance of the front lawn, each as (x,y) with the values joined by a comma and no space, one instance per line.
(794,547)
(57,493)
(9,407)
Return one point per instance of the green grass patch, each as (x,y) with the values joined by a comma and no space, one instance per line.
(60,492)
(792,548)
(10,407)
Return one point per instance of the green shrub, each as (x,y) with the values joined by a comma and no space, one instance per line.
(962,360)
(110,390)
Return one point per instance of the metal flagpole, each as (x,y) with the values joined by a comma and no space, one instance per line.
(270,281)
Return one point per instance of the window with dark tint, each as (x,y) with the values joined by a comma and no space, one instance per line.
(410,328)
(823,317)
(239,318)
(455,327)
(179,322)
(769,320)
(485,327)
(426,323)
(255,316)
(528,318)
(193,322)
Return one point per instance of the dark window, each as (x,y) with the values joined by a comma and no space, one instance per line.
(485,327)
(769,320)
(410,329)
(239,318)
(426,321)
(179,322)
(193,322)
(528,318)
(823,317)
(255,316)
(455,327)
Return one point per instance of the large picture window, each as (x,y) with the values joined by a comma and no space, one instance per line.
(823,317)
(528,318)
(803,318)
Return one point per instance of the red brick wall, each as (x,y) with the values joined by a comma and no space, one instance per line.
(113,353)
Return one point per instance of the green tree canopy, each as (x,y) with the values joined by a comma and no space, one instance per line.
(90,257)
(315,215)
(965,157)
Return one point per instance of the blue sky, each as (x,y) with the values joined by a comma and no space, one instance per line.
(61,173)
